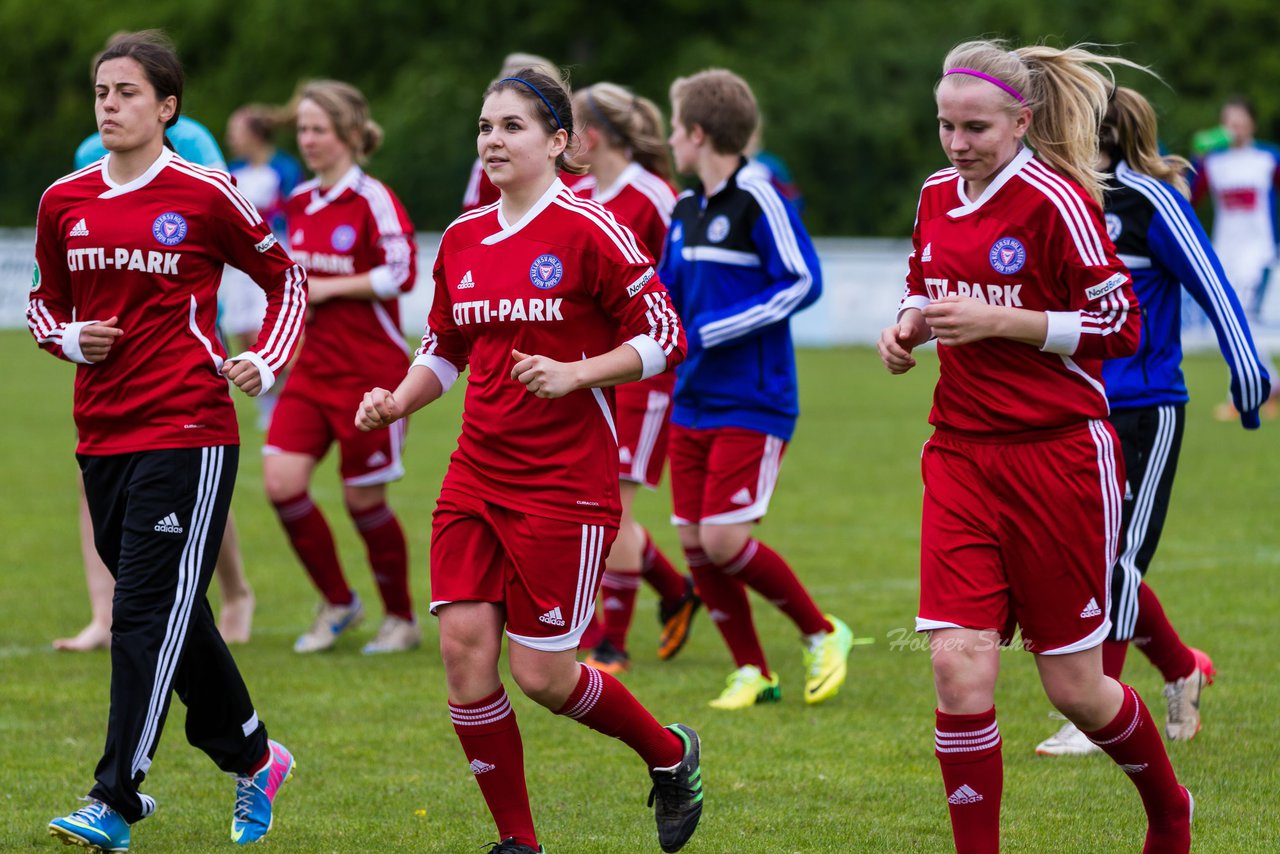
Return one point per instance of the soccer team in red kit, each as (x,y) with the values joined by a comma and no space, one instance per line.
(602,322)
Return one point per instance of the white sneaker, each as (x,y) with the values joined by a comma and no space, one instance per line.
(331,621)
(1067,741)
(1182,720)
(396,634)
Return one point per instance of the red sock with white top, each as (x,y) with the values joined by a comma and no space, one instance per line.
(660,574)
(388,557)
(491,740)
(618,590)
(604,704)
(312,540)
(726,600)
(968,749)
(764,571)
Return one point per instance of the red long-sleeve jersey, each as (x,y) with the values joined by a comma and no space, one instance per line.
(567,282)
(1033,240)
(151,252)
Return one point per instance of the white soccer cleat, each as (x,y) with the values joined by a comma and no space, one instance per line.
(396,634)
(1182,720)
(1067,741)
(331,621)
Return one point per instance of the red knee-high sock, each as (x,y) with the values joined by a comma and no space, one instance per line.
(764,571)
(312,540)
(1162,644)
(388,557)
(1133,742)
(1113,653)
(604,704)
(727,605)
(660,574)
(618,599)
(968,749)
(491,740)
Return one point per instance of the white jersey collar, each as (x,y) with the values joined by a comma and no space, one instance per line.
(166,155)
(625,178)
(1015,166)
(543,202)
(320,200)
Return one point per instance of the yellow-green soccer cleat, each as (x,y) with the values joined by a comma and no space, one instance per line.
(747,686)
(826,662)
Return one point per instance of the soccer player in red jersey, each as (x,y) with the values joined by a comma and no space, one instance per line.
(354,238)
(129,256)
(623,145)
(1015,277)
(533,295)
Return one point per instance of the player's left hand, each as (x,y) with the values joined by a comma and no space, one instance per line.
(959,320)
(244,374)
(545,377)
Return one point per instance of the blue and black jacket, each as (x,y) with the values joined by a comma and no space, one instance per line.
(738,263)
(1164,246)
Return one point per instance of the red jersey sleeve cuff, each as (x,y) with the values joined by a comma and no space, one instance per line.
(1063,335)
(444,370)
(652,359)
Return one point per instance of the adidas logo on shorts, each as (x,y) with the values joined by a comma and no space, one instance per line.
(964,795)
(479,766)
(169,525)
(552,617)
(1091,610)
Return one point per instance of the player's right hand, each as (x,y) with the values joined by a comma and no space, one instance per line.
(378,409)
(897,341)
(96,339)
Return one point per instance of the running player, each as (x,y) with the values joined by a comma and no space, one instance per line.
(623,145)
(739,263)
(129,255)
(1243,180)
(533,294)
(353,236)
(1013,274)
(1159,239)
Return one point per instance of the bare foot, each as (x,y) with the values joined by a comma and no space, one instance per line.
(91,637)
(235,622)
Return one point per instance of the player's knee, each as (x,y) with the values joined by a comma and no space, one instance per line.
(282,487)
(962,682)
(722,543)
(541,686)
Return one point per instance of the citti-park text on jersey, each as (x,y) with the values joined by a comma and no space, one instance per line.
(993,294)
(485,311)
(119,258)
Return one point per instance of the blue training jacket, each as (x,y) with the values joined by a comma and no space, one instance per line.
(738,263)
(1159,238)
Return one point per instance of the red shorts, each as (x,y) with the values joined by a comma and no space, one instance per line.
(722,476)
(644,422)
(309,418)
(545,571)
(1020,532)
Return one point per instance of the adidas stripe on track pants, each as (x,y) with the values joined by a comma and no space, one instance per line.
(158,518)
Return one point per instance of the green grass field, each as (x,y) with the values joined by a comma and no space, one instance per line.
(379,768)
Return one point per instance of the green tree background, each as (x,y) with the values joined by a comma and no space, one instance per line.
(845,85)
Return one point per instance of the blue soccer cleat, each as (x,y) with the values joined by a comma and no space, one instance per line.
(97,827)
(255,795)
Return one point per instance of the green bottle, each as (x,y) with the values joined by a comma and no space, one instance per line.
(1213,139)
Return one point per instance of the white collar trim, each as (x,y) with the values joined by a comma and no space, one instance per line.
(166,155)
(321,200)
(625,178)
(1015,166)
(508,229)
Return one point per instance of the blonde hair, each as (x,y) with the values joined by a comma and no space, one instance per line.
(514,62)
(348,110)
(1065,89)
(721,103)
(628,122)
(1130,130)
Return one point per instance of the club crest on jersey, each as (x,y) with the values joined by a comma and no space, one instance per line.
(169,228)
(677,232)
(718,229)
(343,238)
(1114,226)
(1007,255)
(35,277)
(546,272)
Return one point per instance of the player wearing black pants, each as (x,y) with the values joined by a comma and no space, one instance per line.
(158,518)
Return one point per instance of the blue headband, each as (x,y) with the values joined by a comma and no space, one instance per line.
(537,92)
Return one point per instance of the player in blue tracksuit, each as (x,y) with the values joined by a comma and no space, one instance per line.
(738,264)
(1159,238)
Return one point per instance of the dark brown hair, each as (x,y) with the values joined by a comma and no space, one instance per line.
(152,50)
(551,103)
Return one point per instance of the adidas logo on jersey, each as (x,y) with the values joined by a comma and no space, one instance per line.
(552,617)
(1092,609)
(964,795)
(479,766)
(169,525)
(742,497)
(467,281)
(79,230)
(927,255)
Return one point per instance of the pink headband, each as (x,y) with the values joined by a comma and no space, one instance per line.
(995,81)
